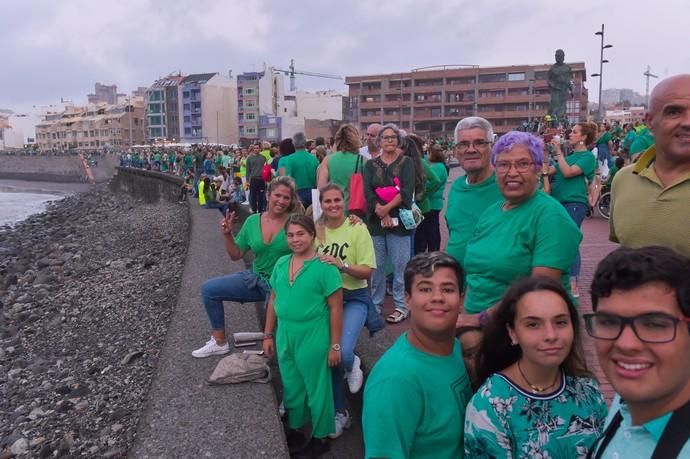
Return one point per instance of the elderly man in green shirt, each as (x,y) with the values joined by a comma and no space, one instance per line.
(301,166)
(471,194)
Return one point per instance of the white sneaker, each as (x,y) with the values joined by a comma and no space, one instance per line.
(281,409)
(211,348)
(355,378)
(342,421)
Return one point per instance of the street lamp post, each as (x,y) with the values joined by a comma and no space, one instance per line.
(602,61)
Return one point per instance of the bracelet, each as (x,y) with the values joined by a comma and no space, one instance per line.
(268,336)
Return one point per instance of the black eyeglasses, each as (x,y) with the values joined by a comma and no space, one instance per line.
(654,327)
(503,167)
(477,144)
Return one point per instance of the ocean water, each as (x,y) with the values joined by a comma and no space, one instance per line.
(16,206)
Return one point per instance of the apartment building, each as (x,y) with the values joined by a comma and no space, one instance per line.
(163,110)
(92,127)
(10,137)
(209,109)
(430,101)
(260,103)
(104,94)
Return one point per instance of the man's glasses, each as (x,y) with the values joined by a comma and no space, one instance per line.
(503,167)
(654,327)
(477,144)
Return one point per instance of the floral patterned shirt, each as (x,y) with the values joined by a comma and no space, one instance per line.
(504,421)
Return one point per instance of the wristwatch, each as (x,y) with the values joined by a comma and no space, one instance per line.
(335,347)
(344,267)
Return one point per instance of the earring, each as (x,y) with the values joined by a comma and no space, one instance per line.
(513,343)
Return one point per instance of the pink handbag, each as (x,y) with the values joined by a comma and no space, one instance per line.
(387,193)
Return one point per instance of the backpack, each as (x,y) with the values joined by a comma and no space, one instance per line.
(241,367)
(267,173)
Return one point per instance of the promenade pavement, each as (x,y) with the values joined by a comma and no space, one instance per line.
(184,416)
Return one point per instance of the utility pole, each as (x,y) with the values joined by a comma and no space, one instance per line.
(130,110)
(602,61)
(649,75)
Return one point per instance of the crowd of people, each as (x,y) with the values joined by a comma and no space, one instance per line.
(492,362)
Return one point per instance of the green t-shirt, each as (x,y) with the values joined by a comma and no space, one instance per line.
(629,138)
(352,245)
(574,189)
(432,183)
(225,160)
(301,166)
(503,421)
(507,244)
(266,255)
(188,161)
(643,141)
(414,404)
(267,155)
(466,203)
(157,157)
(605,138)
(436,198)
(341,166)
(306,298)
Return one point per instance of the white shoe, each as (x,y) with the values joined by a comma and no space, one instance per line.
(281,409)
(211,348)
(342,421)
(355,378)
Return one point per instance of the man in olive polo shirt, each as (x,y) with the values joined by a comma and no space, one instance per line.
(650,200)
(470,194)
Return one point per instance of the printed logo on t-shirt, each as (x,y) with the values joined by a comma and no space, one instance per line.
(336,250)
(461,390)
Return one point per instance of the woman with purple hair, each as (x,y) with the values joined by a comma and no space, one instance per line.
(527,233)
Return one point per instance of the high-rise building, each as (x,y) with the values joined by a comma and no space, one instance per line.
(260,102)
(103,94)
(430,101)
(163,110)
(209,109)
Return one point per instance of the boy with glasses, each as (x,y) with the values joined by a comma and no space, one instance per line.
(641,331)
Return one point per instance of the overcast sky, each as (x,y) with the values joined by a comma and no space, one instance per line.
(53,49)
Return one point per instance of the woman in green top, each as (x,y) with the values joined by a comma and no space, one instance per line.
(572,175)
(428,233)
(264,235)
(307,303)
(394,173)
(537,398)
(527,233)
(339,167)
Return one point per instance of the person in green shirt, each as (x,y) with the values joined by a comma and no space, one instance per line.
(307,302)
(572,175)
(416,394)
(527,233)
(428,234)
(537,398)
(470,194)
(264,235)
(266,151)
(338,167)
(642,142)
(348,247)
(301,166)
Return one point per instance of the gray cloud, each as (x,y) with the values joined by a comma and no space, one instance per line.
(59,49)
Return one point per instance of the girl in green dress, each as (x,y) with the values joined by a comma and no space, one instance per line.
(537,398)
(307,302)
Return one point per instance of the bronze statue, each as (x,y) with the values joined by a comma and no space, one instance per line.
(560,85)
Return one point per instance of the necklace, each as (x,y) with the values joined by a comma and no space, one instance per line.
(291,268)
(536,389)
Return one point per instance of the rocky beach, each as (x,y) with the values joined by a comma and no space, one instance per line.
(86,292)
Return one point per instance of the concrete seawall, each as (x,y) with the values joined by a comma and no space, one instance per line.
(150,186)
(54,168)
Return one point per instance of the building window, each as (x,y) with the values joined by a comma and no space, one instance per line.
(516,77)
(270,133)
(156,95)
(250,104)
(186,107)
(250,130)
(492,78)
(154,108)
(155,120)
(248,91)
(187,119)
(249,116)
(185,94)
(543,75)
(376,85)
(187,131)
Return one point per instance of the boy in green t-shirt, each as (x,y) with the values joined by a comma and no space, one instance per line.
(415,398)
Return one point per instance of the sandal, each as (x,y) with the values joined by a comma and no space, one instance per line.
(396,317)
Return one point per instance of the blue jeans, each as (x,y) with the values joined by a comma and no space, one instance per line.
(354,316)
(398,248)
(305,196)
(223,208)
(241,287)
(577,211)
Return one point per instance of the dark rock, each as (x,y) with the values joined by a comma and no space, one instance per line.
(131,356)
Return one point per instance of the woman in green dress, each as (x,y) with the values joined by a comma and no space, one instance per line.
(307,303)
(537,398)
